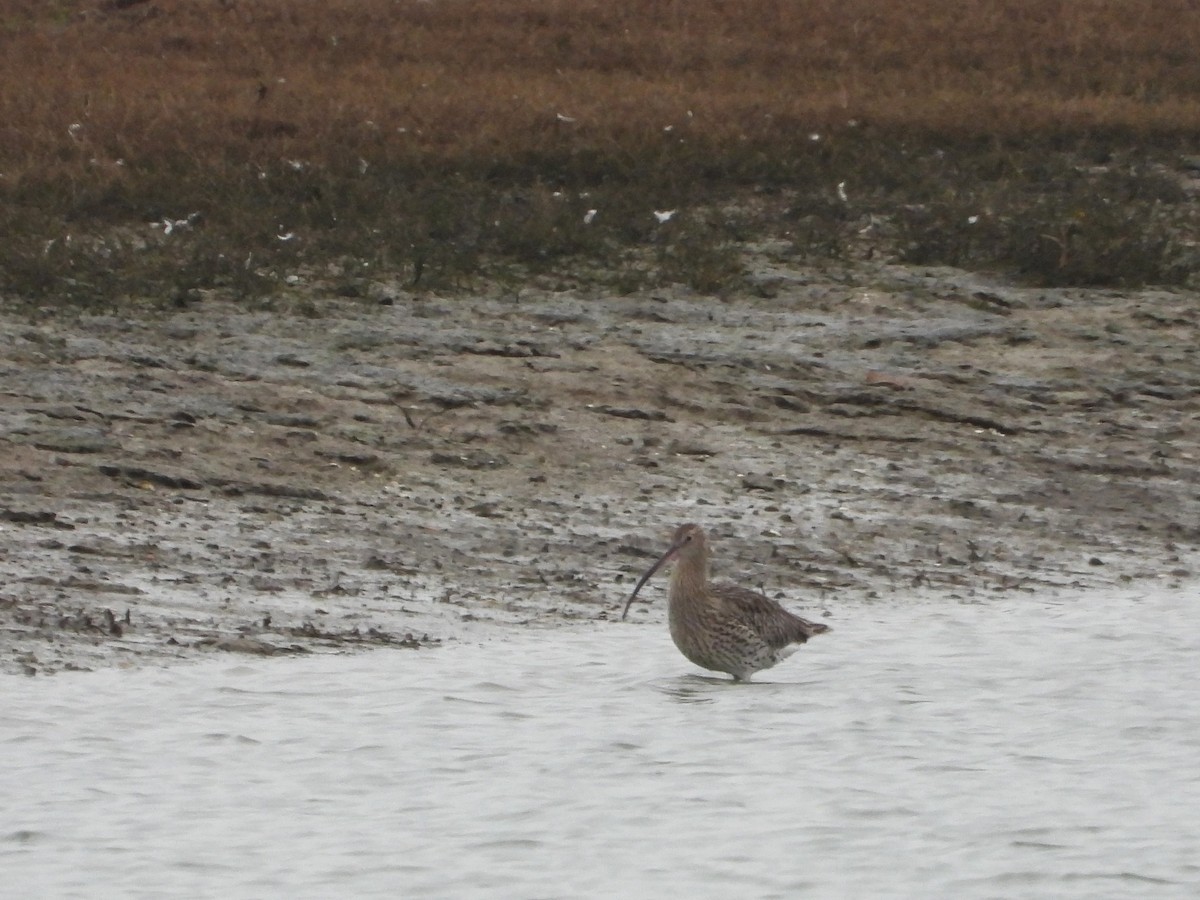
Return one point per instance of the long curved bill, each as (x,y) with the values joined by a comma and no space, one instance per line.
(671,551)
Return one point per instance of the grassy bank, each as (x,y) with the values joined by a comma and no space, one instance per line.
(157,149)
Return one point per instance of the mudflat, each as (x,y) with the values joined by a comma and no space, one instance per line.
(405,468)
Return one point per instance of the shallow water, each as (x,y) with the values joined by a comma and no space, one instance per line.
(1024,747)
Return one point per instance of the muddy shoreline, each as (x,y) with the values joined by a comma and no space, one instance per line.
(406,469)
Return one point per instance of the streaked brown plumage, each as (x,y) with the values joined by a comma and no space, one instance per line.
(723,627)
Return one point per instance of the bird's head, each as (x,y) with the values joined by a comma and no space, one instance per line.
(687,544)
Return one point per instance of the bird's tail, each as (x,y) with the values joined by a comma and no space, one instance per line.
(808,629)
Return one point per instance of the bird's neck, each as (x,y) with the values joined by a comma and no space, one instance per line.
(690,576)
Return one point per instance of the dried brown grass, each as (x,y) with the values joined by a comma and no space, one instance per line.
(297,114)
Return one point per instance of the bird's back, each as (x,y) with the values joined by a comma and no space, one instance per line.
(775,625)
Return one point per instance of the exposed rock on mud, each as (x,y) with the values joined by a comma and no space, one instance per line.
(227,480)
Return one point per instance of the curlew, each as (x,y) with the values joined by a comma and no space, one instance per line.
(723,627)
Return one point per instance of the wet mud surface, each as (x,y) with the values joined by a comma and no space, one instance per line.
(403,470)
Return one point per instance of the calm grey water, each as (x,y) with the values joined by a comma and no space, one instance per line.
(1021,748)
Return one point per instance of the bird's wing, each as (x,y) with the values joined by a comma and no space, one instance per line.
(772,622)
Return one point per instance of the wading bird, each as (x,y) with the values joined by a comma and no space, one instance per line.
(723,627)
